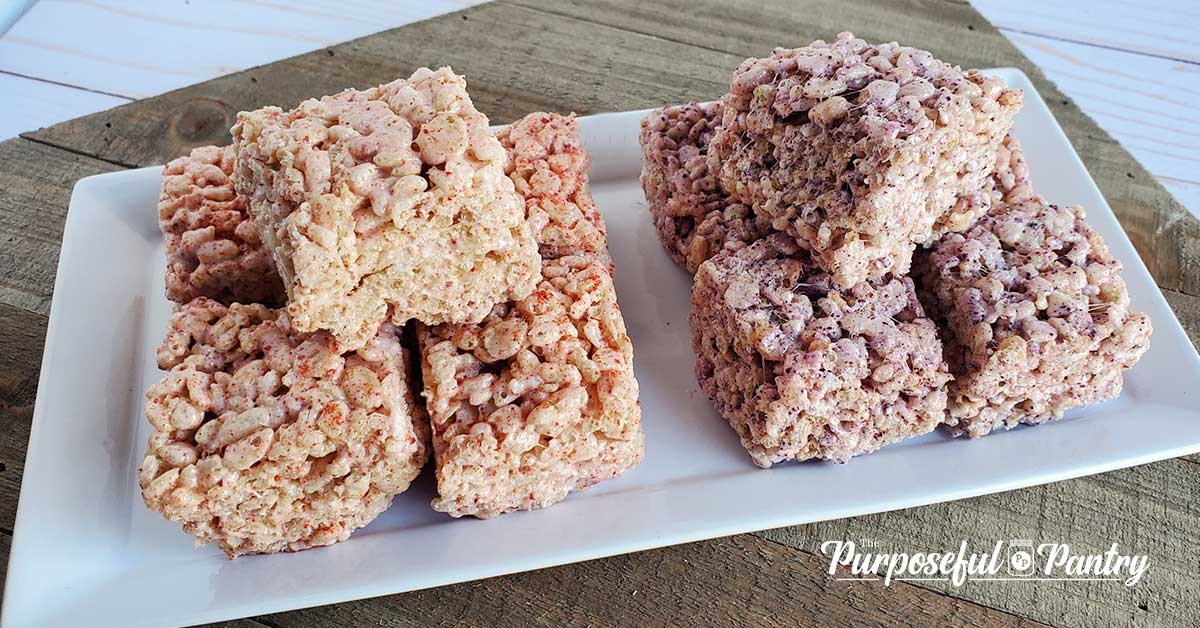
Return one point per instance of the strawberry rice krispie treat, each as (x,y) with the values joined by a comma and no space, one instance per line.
(213,248)
(693,216)
(388,202)
(804,369)
(267,439)
(537,400)
(549,168)
(860,151)
(1035,316)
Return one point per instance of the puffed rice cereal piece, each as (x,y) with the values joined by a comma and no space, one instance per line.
(803,369)
(1035,316)
(537,400)
(549,168)
(390,201)
(859,151)
(213,248)
(267,439)
(693,216)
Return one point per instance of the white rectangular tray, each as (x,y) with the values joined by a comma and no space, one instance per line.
(87,552)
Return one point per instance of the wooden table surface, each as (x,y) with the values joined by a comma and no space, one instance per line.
(605,55)
(1130,64)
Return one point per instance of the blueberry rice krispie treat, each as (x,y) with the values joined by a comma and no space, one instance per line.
(536,401)
(213,248)
(694,217)
(860,151)
(388,202)
(1036,316)
(803,369)
(549,168)
(267,439)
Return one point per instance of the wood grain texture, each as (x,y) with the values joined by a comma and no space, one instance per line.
(610,55)
(581,67)
(735,581)
(1187,310)
(1152,28)
(22,335)
(35,188)
(30,104)
(139,49)
(1143,509)
(5,547)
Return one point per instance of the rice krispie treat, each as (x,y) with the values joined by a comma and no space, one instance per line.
(267,440)
(389,201)
(549,168)
(860,151)
(803,369)
(213,248)
(537,400)
(694,217)
(1035,313)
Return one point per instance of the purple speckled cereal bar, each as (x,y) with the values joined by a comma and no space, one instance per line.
(694,217)
(1035,315)
(803,369)
(389,202)
(536,401)
(860,151)
(267,440)
(213,248)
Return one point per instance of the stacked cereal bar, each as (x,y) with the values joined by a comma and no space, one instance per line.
(548,167)
(213,248)
(539,399)
(267,439)
(1036,316)
(694,217)
(860,151)
(389,202)
(804,369)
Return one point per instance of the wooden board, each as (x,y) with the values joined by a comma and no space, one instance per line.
(588,57)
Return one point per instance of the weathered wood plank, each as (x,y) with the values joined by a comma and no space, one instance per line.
(1187,310)
(1144,509)
(1166,235)
(35,187)
(22,335)
(734,581)
(517,60)
(5,548)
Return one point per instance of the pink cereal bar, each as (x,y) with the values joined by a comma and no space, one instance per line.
(213,248)
(803,369)
(267,440)
(693,216)
(537,400)
(860,151)
(1035,315)
(387,202)
(549,169)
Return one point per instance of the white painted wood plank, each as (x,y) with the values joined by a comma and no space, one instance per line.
(1166,28)
(29,104)
(1148,104)
(1186,192)
(139,49)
